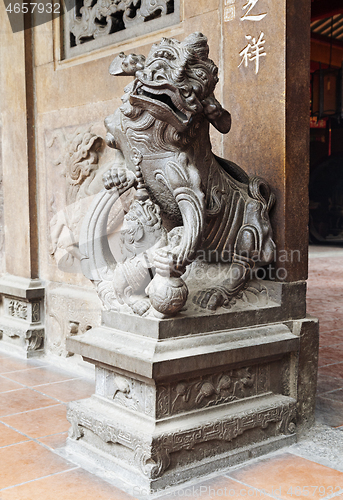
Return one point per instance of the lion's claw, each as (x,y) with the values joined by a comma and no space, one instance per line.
(120,178)
(211,298)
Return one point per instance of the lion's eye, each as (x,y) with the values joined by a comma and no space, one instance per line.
(201,74)
(165,54)
(168,55)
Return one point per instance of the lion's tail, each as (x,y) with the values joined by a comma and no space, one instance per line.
(260,190)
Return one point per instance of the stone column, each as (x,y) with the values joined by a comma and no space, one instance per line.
(266,70)
(22,292)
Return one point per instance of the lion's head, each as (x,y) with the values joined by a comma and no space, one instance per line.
(175,83)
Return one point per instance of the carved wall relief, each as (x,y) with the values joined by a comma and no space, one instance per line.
(76,162)
(91,25)
(70,311)
(73,163)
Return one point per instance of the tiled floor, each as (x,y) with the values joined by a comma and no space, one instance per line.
(33,398)
(324,298)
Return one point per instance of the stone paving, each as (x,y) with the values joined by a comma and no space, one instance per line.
(325,301)
(33,425)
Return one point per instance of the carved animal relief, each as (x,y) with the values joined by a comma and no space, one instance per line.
(190,206)
(77,159)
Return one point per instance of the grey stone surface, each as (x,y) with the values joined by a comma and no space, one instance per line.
(21,287)
(282,301)
(323,445)
(326,384)
(307,371)
(157,455)
(166,410)
(329,411)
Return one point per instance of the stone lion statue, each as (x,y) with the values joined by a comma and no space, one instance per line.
(162,131)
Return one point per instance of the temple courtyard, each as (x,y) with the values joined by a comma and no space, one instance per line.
(33,426)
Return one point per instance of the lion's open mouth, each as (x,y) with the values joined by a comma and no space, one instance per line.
(163,102)
(165,99)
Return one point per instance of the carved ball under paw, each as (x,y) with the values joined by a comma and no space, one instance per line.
(167,295)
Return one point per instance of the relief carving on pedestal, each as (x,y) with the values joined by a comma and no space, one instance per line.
(22,323)
(34,339)
(17,309)
(212,390)
(126,391)
(222,430)
(190,206)
(186,395)
(35,312)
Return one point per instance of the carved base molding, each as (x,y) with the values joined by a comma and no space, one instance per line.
(166,410)
(21,320)
(161,456)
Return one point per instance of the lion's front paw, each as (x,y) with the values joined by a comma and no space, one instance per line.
(120,178)
(141,306)
(211,298)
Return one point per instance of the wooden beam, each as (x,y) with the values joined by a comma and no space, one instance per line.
(327,40)
(321,9)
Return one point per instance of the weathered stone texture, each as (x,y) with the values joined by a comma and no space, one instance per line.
(22,315)
(71,311)
(177,407)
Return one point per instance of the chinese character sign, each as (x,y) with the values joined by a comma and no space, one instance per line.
(253,51)
(248,7)
(255,48)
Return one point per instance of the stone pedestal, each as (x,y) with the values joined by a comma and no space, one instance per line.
(183,397)
(21,321)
